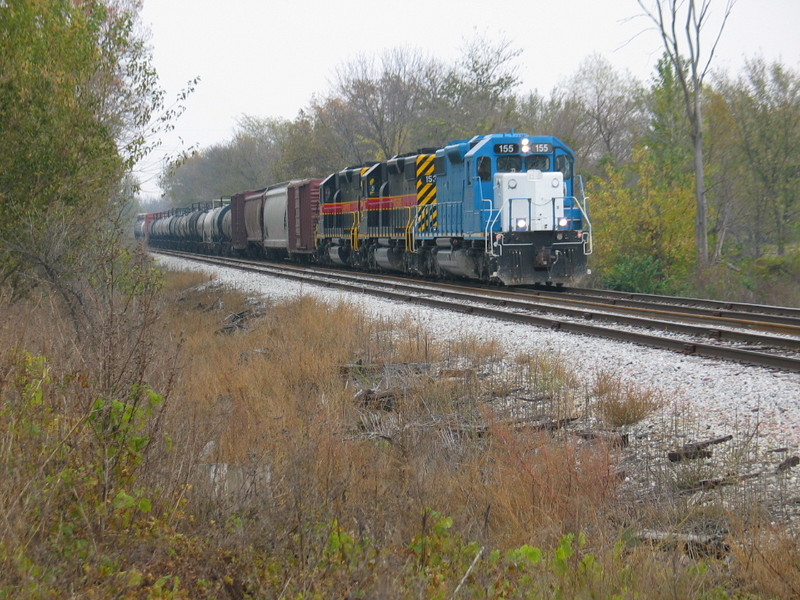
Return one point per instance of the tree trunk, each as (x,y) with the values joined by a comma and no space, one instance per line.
(701,235)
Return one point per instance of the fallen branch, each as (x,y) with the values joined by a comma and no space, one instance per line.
(790,462)
(375,400)
(614,438)
(710,484)
(693,544)
(696,449)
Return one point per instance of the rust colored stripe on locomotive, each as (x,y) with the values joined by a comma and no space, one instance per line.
(337,208)
(390,202)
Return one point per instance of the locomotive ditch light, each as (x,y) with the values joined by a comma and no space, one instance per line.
(563,222)
(522,224)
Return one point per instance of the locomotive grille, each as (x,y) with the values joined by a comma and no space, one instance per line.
(427,215)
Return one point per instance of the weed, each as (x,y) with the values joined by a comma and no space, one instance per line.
(624,403)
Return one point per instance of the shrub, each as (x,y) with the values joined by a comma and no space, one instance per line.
(637,273)
(621,403)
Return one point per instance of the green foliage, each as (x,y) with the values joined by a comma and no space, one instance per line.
(642,274)
(68,478)
(764,103)
(524,555)
(122,431)
(78,104)
(53,136)
(668,135)
(644,221)
(770,279)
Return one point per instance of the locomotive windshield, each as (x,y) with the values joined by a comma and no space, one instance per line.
(514,164)
(509,164)
(538,162)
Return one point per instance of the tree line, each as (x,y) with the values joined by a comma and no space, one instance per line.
(80,104)
(634,139)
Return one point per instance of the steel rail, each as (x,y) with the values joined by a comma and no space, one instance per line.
(721,306)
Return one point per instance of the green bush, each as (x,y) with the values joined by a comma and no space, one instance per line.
(641,274)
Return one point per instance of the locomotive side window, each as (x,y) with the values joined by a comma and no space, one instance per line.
(564,164)
(538,162)
(509,164)
(440,165)
(411,169)
(485,168)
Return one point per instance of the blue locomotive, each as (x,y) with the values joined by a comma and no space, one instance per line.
(496,208)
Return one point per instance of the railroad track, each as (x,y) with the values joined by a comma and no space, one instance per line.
(750,337)
(675,304)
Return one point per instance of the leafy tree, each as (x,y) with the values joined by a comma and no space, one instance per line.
(78,106)
(765,107)
(310,149)
(668,131)
(734,223)
(642,214)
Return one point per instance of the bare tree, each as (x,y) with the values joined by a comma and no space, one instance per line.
(477,93)
(680,24)
(382,99)
(611,113)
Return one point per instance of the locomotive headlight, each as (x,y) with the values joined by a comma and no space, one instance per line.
(522,224)
(525,145)
(562,222)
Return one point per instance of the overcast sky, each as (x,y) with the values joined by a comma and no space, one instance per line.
(269,57)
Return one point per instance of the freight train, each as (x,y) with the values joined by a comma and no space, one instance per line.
(495,208)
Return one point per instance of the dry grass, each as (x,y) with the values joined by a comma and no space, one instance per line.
(264,448)
(272,394)
(623,403)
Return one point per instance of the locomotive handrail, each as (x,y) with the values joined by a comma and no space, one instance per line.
(588,247)
(487,233)
(490,221)
(409,233)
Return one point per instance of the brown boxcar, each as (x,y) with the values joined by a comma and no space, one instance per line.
(302,212)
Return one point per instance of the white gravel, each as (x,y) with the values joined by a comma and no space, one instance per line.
(710,397)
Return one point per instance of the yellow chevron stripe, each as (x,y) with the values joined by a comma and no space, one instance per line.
(426,193)
(425,164)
